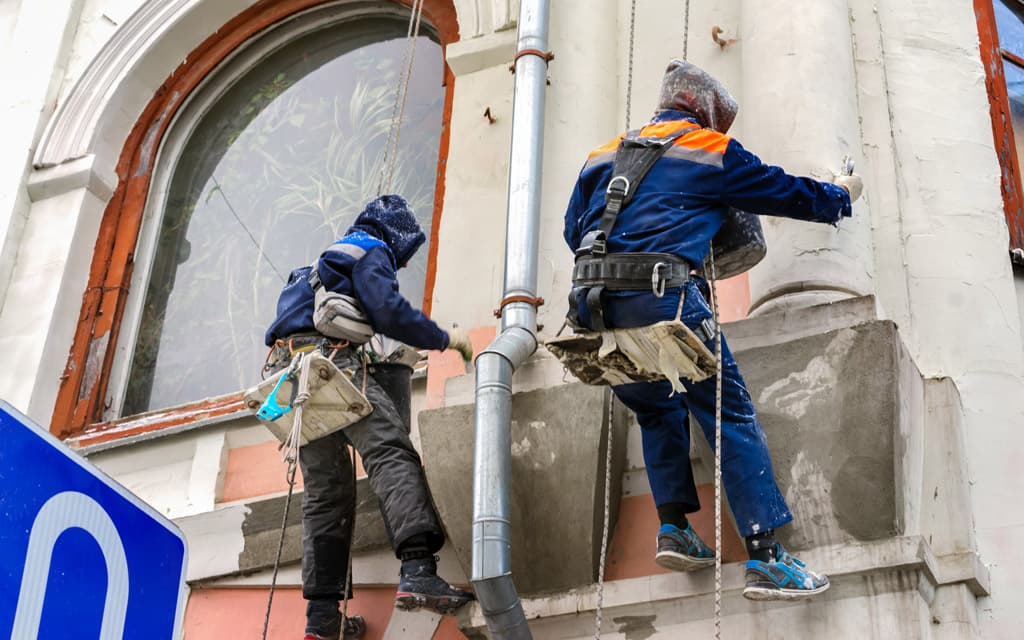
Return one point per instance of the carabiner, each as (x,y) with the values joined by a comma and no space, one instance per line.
(657,280)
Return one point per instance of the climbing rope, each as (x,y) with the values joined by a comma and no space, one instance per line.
(718,384)
(718,447)
(718,391)
(401,94)
(607,512)
(629,70)
(351,540)
(686,30)
(611,400)
(291,457)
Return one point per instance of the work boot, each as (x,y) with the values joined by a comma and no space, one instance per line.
(784,577)
(325,622)
(682,549)
(353,629)
(419,587)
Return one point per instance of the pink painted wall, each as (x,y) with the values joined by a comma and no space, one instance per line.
(734,298)
(631,549)
(221,613)
(257,470)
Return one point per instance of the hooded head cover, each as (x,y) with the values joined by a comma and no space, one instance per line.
(689,88)
(390,219)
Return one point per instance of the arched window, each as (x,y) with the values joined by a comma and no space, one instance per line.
(266,162)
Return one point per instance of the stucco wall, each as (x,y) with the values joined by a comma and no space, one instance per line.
(956,304)
(939,239)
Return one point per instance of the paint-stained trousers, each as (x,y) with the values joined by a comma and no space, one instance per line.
(329,499)
(747,475)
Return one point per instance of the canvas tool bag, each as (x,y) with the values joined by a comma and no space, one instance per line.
(334,401)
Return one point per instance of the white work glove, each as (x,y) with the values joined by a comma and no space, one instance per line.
(853,185)
(459,340)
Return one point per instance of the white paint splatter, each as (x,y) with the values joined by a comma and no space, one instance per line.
(521,448)
(795,394)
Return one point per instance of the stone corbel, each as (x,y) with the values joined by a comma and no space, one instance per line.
(82,173)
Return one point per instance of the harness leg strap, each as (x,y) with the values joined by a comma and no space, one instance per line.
(595,308)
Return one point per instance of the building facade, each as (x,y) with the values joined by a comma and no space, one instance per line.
(167,162)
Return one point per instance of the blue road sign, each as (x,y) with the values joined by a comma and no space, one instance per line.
(80,555)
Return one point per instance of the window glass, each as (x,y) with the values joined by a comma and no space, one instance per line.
(1010,24)
(1015,92)
(271,175)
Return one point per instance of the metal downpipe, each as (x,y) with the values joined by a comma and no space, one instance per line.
(492,462)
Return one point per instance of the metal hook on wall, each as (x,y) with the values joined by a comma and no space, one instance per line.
(716,34)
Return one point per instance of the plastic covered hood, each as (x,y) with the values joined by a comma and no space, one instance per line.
(687,87)
(391,219)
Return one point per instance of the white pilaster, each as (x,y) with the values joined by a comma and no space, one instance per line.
(35,42)
(801,112)
(41,308)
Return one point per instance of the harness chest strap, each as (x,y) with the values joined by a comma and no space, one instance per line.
(596,270)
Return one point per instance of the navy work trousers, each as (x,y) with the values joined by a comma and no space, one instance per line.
(747,475)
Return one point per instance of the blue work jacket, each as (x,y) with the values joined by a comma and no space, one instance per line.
(682,202)
(387,236)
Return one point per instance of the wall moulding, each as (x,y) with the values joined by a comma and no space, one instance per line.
(481,17)
(72,130)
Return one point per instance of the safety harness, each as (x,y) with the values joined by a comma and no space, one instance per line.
(667,350)
(596,270)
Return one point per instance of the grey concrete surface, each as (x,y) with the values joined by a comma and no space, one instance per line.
(830,405)
(842,409)
(558,456)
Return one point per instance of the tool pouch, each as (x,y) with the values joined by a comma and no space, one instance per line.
(338,316)
(667,350)
(334,401)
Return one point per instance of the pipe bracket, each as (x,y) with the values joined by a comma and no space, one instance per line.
(547,57)
(536,302)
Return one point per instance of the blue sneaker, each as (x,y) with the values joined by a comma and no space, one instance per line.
(785,578)
(682,549)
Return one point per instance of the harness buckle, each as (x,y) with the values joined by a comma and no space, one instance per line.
(612,189)
(707,327)
(594,243)
(658,280)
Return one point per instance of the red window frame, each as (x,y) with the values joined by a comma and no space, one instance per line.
(81,398)
(994,57)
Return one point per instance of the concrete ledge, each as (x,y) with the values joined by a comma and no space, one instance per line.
(803,322)
(242,538)
(896,556)
(558,440)
(967,568)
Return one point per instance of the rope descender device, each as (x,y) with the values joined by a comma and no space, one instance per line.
(270,410)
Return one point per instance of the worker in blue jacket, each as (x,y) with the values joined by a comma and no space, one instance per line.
(363,265)
(677,209)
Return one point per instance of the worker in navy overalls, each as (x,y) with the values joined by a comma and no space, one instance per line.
(363,265)
(676,209)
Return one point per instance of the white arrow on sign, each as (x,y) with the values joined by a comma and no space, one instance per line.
(69,510)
